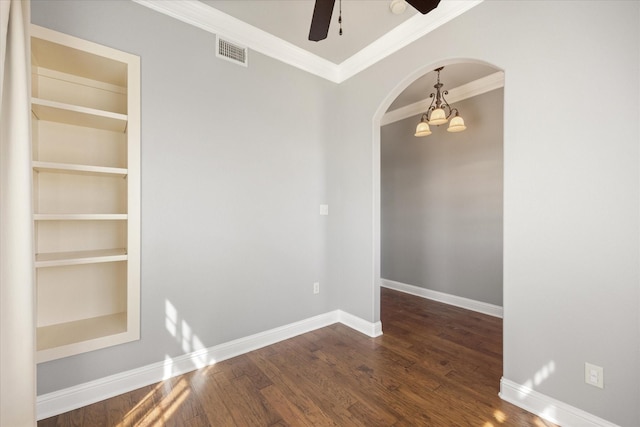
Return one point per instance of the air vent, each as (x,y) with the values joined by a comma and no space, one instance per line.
(232,52)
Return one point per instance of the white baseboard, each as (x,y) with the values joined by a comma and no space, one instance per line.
(67,399)
(547,407)
(469,304)
(370,329)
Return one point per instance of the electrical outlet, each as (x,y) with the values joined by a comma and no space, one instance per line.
(316,288)
(324,209)
(593,375)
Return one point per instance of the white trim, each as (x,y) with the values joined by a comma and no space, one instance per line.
(457,94)
(67,399)
(547,407)
(407,32)
(367,328)
(466,303)
(205,17)
(200,15)
(477,87)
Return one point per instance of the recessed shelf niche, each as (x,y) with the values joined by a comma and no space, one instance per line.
(86,176)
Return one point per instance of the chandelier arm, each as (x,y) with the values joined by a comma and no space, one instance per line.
(431,107)
(446,104)
(438,95)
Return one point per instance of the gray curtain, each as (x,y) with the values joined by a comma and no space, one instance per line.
(17,292)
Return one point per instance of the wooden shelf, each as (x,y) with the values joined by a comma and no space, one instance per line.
(79,217)
(91,333)
(58,259)
(79,169)
(60,112)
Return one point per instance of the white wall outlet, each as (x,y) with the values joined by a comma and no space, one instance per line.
(324,209)
(316,288)
(593,375)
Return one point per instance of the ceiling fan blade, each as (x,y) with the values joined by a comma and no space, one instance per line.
(322,12)
(424,6)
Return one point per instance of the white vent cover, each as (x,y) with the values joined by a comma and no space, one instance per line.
(232,51)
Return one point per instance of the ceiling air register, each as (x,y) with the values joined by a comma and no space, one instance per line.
(231,51)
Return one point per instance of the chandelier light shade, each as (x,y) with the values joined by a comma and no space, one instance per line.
(456,124)
(423,127)
(439,112)
(437,117)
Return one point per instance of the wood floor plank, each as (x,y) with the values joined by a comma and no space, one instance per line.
(289,411)
(245,403)
(72,419)
(313,380)
(209,393)
(435,365)
(289,388)
(94,415)
(143,404)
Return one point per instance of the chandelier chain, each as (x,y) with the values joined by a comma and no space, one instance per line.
(340,18)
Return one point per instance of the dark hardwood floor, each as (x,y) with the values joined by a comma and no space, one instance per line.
(435,365)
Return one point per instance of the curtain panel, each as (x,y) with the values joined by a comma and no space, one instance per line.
(17,292)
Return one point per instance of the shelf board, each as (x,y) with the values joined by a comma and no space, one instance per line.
(65,339)
(58,259)
(61,112)
(71,168)
(78,217)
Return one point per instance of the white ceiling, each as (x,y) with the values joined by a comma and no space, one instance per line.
(363,21)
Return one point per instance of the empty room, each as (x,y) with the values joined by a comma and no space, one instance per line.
(320,212)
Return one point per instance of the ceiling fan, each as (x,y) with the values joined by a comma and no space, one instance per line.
(323,10)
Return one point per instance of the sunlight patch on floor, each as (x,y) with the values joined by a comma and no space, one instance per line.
(154,410)
(500,416)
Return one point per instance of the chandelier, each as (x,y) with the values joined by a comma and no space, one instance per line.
(439,112)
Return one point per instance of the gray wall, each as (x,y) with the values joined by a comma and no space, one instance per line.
(232,176)
(441,201)
(571,188)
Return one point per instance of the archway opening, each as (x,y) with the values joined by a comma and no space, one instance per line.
(438,210)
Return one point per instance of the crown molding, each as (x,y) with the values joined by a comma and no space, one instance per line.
(200,15)
(404,34)
(468,90)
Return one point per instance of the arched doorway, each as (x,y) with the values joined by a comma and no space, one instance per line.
(442,196)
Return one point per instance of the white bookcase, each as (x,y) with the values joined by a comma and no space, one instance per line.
(86,185)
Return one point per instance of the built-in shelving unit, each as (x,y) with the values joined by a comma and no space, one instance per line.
(86,177)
